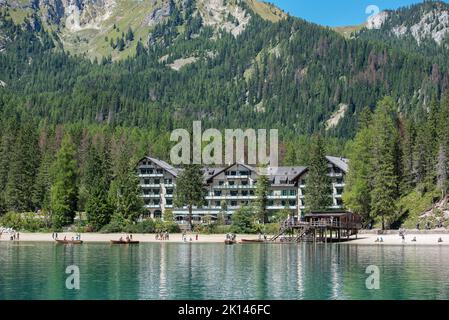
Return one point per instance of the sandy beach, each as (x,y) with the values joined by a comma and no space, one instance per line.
(363,239)
(101,237)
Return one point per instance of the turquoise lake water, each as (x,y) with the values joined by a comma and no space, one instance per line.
(215,271)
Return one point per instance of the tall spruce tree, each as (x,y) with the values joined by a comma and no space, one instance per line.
(64,192)
(262,188)
(189,189)
(385,179)
(22,171)
(98,178)
(318,184)
(357,196)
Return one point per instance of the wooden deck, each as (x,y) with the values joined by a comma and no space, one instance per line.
(319,227)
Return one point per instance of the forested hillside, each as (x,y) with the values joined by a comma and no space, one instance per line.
(281,73)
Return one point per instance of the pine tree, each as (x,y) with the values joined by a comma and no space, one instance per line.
(64,189)
(318,184)
(262,187)
(129,35)
(22,170)
(98,176)
(385,190)
(357,196)
(189,189)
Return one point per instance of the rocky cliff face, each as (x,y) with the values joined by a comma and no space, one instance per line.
(423,22)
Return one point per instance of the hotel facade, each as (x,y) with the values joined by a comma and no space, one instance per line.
(229,188)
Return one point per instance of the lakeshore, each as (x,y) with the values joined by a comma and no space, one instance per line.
(422,238)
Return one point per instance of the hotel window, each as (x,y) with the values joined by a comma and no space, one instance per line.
(168,181)
(169,202)
(233,203)
(217,204)
(270,202)
(147,202)
(234,193)
(221,182)
(293,192)
(156,191)
(231,183)
(339,202)
(146,181)
(244,183)
(217,193)
(244,193)
(251,192)
(157,181)
(283,203)
(233,173)
(292,203)
(169,191)
(146,192)
(285,192)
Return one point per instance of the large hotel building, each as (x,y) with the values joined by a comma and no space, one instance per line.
(231,187)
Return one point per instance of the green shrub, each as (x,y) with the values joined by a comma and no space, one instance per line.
(222,229)
(146,226)
(113,227)
(24,221)
(243,221)
(271,228)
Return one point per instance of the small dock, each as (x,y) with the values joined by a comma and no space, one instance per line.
(319,227)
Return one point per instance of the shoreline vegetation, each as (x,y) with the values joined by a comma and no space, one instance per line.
(428,237)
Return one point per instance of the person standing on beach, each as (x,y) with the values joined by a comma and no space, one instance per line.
(196,237)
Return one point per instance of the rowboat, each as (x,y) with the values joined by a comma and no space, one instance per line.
(69,241)
(230,242)
(124,242)
(252,241)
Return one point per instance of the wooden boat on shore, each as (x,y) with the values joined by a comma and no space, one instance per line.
(229,242)
(252,241)
(124,242)
(69,241)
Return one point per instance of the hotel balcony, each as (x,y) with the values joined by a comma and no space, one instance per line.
(153,206)
(151,196)
(150,185)
(168,195)
(279,207)
(238,176)
(335,175)
(287,197)
(339,185)
(240,197)
(151,175)
(239,186)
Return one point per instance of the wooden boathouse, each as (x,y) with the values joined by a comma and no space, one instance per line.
(323,226)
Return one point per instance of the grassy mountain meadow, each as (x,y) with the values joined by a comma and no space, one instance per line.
(116,76)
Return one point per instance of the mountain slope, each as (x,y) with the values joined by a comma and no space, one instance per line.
(290,74)
(421,28)
(90,26)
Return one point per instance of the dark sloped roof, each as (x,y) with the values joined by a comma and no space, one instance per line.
(174,171)
(340,162)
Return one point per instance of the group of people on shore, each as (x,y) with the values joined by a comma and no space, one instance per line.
(184,237)
(12,234)
(163,236)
